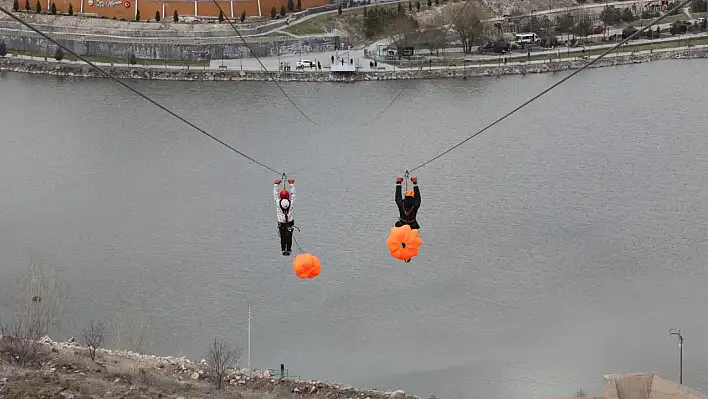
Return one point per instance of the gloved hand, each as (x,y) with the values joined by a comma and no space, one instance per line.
(414,180)
(291,181)
(277,182)
(399,180)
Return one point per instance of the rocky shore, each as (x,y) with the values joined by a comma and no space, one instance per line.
(156,73)
(64,370)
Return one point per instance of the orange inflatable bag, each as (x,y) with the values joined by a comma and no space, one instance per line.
(306,266)
(403,242)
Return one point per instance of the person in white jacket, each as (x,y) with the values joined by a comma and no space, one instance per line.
(284,202)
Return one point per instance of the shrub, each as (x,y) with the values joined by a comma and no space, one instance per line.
(132,60)
(339,9)
(93,337)
(59,54)
(220,357)
(3,49)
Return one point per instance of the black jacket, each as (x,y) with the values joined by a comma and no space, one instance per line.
(408,214)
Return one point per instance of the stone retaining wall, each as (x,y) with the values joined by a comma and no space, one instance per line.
(169,49)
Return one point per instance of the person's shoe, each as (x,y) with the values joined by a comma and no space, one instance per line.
(288,252)
(285,253)
(408,261)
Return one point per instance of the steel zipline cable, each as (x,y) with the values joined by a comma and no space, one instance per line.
(28,25)
(534,98)
(262,66)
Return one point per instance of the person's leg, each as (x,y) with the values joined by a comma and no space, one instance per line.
(399,223)
(283,238)
(289,240)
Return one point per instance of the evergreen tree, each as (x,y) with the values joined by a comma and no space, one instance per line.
(410,6)
(27,6)
(291,6)
(243,17)
(282,11)
(38,7)
(15,5)
(59,54)
(273,12)
(299,5)
(221,15)
(71,9)
(430,3)
(157,16)
(137,15)
(53,9)
(3,49)
(339,10)
(417,5)
(175,16)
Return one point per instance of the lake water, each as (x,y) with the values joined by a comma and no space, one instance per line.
(560,245)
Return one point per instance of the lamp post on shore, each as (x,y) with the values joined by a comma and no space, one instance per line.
(677,332)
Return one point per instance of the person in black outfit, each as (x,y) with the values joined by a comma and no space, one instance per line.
(408,206)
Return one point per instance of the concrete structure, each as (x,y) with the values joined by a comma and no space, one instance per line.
(127,9)
(646,386)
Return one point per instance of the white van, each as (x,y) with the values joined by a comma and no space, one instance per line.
(527,38)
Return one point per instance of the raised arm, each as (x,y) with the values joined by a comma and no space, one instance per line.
(292,194)
(275,191)
(416,190)
(399,196)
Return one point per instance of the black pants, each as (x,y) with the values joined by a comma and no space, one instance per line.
(286,235)
(414,224)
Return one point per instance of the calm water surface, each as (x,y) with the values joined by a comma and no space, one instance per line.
(561,245)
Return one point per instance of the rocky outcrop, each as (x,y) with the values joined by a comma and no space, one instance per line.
(78,70)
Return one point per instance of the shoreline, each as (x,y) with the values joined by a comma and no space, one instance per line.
(52,68)
(120,373)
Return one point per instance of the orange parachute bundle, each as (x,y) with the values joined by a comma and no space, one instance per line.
(306,266)
(403,242)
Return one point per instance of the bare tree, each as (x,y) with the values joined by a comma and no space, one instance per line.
(38,309)
(132,330)
(432,36)
(93,336)
(220,357)
(468,25)
(403,32)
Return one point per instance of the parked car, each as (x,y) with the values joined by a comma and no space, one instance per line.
(596,30)
(305,64)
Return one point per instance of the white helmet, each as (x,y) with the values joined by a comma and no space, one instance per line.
(284,203)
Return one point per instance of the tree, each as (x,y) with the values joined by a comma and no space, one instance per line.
(243,17)
(417,5)
(299,5)
(410,5)
(38,7)
(15,5)
(339,9)
(59,54)
(282,10)
(699,6)
(364,12)
(137,14)
(37,312)
(400,9)
(273,12)
(220,357)
(175,16)
(291,6)
(3,49)
(468,25)
(433,35)
(430,3)
(157,16)
(581,29)
(131,328)
(610,15)
(564,23)
(221,15)
(53,9)
(27,5)
(404,33)
(627,15)
(93,337)
(71,9)
(437,2)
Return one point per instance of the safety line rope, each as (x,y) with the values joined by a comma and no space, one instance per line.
(28,25)
(263,66)
(654,22)
(421,65)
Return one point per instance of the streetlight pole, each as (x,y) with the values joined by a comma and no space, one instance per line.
(677,332)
